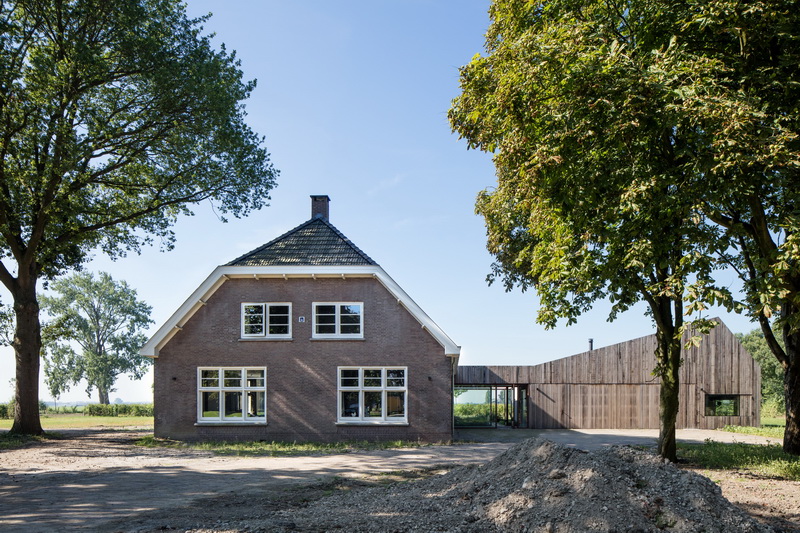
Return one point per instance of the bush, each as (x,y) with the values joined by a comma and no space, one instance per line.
(773,407)
(4,411)
(119,409)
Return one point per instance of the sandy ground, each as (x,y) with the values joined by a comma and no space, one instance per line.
(99,481)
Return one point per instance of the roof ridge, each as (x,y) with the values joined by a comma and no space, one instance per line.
(315,220)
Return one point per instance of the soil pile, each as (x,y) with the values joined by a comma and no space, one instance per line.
(538,487)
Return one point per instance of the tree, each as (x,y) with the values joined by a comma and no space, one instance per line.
(772,395)
(752,167)
(580,102)
(105,320)
(115,117)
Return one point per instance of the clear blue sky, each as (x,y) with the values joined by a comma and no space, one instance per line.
(352,98)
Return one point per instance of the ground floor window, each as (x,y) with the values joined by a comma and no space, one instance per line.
(372,394)
(232,394)
(722,405)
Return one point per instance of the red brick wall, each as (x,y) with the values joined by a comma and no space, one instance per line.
(302,373)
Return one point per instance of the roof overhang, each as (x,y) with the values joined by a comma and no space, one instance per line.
(223,273)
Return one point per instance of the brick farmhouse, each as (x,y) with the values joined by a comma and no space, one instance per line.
(305,338)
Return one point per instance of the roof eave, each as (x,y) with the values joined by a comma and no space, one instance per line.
(222,273)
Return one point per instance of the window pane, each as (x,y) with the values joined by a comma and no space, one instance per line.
(255,378)
(350,310)
(351,330)
(253,309)
(326,310)
(395,377)
(256,404)
(372,403)
(396,403)
(233,404)
(349,378)
(326,319)
(253,319)
(372,377)
(210,405)
(326,330)
(209,378)
(279,320)
(350,407)
(233,378)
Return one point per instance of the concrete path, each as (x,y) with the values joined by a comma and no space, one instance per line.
(591,439)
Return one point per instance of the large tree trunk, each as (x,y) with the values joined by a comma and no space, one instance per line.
(668,355)
(27,348)
(103,395)
(791,389)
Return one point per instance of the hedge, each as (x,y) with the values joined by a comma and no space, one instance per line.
(119,409)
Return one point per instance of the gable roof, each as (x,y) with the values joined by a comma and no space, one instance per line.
(314,242)
(313,249)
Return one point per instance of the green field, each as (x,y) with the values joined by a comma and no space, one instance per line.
(79,421)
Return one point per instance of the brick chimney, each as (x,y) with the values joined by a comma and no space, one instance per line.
(319,206)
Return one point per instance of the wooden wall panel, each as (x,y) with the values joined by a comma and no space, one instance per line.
(613,386)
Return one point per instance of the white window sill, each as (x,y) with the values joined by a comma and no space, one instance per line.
(371,423)
(261,339)
(228,423)
(337,338)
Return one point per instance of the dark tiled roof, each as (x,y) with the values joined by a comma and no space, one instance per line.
(316,242)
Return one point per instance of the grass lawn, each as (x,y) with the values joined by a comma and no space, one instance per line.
(770,427)
(272,449)
(79,421)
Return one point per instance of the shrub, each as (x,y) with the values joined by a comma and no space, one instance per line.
(4,411)
(119,409)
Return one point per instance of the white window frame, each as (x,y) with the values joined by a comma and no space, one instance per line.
(221,387)
(265,324)
(337,321)
(358,416)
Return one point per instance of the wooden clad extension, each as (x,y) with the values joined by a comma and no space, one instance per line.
(614,387)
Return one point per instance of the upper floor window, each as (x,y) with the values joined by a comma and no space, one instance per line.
(338,320)
(270,320)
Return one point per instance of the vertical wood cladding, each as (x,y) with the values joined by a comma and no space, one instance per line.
(613,387)
(302,372)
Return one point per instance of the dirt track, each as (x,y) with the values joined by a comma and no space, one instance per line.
(91,477)
(99,481)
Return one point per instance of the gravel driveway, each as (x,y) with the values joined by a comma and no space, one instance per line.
(90,478)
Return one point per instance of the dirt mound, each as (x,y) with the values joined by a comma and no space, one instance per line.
(535,486)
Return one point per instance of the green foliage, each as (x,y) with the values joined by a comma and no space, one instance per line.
(116,116)
(4,411)
(772,393)
(274,449)
(118,409)
(105,320)
(762,460)
(774,430)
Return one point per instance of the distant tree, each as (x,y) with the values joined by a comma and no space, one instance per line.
(103,318)
(115,117)
(772,394)
(6,325)
(580,103)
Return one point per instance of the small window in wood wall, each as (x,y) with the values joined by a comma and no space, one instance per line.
(722,405)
